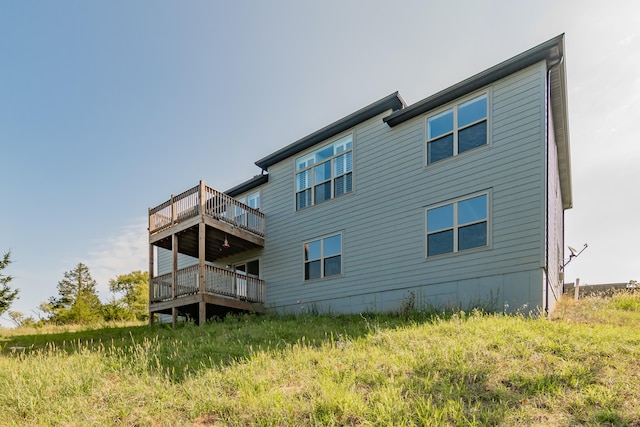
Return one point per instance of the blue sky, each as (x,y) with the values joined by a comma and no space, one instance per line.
(108,107)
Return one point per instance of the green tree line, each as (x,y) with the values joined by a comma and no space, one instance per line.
(77,301)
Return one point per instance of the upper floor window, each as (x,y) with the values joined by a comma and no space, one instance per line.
(242,216)
(456,226)
(323,257)
(458,129)
(325,173)
(253,200)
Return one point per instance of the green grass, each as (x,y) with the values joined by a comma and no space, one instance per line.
(580,368)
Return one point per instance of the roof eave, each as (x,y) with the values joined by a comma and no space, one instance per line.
(560,117)
(391,102)
(249,184)
(544,51)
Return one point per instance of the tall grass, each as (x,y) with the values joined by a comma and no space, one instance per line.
(581,368)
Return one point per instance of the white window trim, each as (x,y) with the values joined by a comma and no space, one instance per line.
(452,105)
(456,226)
(315,148)
(322,258)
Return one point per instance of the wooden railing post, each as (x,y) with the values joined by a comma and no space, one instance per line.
(174,213)
(202,197)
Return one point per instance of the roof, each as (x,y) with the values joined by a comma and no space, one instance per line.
(390,102)
(247,185)
(551,51)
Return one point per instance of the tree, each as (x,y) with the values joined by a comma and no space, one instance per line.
(20,319)
(7,295)
(78,300)
(134,300)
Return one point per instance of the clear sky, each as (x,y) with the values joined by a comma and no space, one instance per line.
(109,107)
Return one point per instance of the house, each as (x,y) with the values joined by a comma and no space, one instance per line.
(455,201)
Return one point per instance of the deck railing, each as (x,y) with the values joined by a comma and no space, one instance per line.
(218,281)
(214,204)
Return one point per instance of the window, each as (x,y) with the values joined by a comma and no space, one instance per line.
(325,173)
(458,129)
(252,200)
(323,257)
(250,269)
(242,216)
(457,226)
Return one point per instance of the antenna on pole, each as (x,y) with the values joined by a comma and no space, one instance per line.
(574,254)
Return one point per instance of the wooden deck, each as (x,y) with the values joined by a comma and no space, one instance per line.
(225,217)
(197,223)
(218,281)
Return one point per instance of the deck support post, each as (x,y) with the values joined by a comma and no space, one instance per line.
(174,277)
(151,268)
(202,313)
(202,241)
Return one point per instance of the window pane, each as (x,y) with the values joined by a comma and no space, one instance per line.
(332,245)
(303,180)
(343,185)
(440,218)
(332,266)
(472,111)
(472,236)
(440,149)
(343,163)
(440,243)
(343,144)
(312,250)
(440,124)
(303,199)
(472,137)
(322,192)
(305,161)
(472,210)
(312,270)
(253,200)
(253,268)
(324,153)
(322,172)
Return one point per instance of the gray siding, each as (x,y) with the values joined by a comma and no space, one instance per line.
(555,226)
(164,261)
(383,220)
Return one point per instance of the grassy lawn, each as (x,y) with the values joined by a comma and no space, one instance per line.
(580,368)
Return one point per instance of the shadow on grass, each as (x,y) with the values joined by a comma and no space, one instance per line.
(190,348)
(462,390)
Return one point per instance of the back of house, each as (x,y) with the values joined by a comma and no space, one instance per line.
(455,201)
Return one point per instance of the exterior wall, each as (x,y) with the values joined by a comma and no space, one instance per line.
(164,261)
(555,225)
(383,220)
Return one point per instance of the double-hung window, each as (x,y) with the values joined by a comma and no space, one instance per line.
(325,173)
(458,129)
(323,257)
(459,225)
